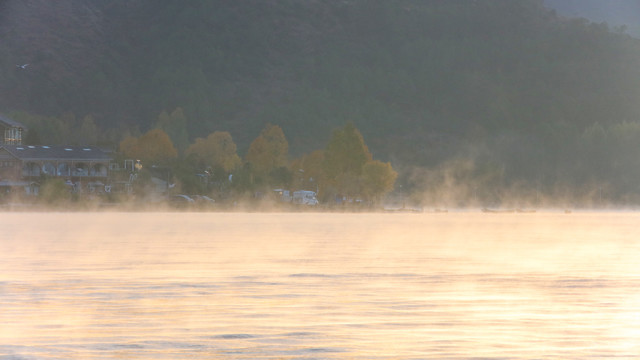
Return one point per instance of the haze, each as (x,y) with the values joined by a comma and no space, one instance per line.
(328,286)
(411,179)
(536,100)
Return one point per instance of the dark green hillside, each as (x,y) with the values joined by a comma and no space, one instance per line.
(507,84)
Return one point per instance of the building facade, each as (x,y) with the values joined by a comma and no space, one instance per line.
(79,166)
(11,131)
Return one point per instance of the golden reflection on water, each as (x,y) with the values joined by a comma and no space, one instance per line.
(319,286)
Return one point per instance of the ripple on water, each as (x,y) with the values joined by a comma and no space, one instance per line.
(466,288)
(313,275)
(234,336)
(174,345)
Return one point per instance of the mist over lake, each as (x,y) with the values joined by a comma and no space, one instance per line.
(214,179)
(454,285)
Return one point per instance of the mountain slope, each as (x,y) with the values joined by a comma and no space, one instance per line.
(506,82)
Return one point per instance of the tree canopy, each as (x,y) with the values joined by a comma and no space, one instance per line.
(175,126)
(346,152)
(216,151)
(378,179)
(152,148)
(269,151)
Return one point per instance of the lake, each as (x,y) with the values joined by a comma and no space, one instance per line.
(457,285)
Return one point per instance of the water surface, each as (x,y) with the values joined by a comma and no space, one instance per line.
(319,286)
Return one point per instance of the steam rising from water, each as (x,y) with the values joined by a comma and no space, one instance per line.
(462,183)
(321,286)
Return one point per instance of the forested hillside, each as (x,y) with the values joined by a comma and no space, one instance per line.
(493,93)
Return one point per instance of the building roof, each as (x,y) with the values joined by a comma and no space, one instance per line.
(10,122)
(56,152)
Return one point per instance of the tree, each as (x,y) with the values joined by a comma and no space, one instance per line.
(346,152)
(281,176)
(309,169)
(215,151)
(54,191)
(377,179)
(153,148)
(625,145)
(344,158)
(129,146)
(268,151)
(88,134)
(55,130)
(175,125)
(596,153)
(32,138)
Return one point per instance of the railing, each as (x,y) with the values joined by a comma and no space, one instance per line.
(75,173)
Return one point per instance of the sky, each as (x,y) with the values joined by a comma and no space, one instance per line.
(613,12)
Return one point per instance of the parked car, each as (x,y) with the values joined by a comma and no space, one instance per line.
(305,197)
(203,201)
(181,201)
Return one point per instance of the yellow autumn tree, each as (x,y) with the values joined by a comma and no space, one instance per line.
(346,153)
(154,148)
(216,151)
(344,158)
(269,150)
(308,171)
(129,147)
(378,179)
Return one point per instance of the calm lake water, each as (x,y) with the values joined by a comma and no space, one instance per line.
(319,286)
